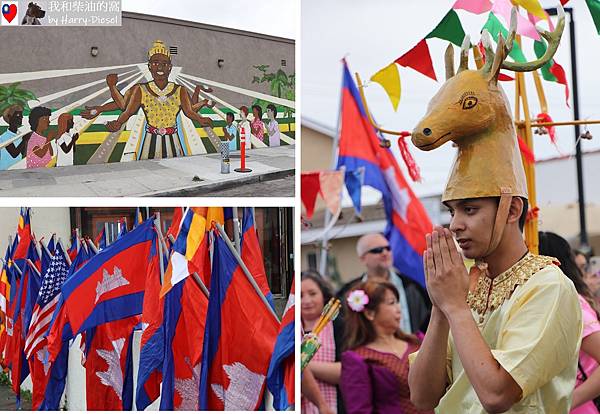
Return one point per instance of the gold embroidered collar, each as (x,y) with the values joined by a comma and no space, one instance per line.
(490,294)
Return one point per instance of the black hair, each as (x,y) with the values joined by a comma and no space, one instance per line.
(35,115)
(257,107)
(229,114)
(323,285)
(272,108)
(523,217)
(551,244)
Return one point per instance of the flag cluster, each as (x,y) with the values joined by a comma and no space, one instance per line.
(450,28)
(209,330)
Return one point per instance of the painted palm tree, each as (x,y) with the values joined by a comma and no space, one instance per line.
(280,84)
(13,95)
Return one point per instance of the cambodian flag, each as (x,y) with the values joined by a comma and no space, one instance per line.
(184,323)
(238,340)
(110,285)
(152,347)
(252,255)
(359,146)
(280,378)
(109,366)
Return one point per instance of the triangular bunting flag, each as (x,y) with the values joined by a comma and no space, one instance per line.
(473,6)
(419,59)
(449,29)
(494,27)
(552,71)
(532,6)
(310,186)
(524,26)
(389,79)
(594,7)
(331,188)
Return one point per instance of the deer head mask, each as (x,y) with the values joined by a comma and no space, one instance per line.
(471,110)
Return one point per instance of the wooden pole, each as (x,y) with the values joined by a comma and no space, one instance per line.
(561,123)
(540,91)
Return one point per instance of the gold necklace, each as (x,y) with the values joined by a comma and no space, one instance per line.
(490,294)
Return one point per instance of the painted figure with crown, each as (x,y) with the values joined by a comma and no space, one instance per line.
(161,101)
(504,336)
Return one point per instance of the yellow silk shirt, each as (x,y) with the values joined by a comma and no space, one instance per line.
(534,332)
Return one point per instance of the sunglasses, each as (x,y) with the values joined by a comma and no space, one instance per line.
(379,250)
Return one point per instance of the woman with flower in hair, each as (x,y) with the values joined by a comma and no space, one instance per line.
(375,365)
(325,365)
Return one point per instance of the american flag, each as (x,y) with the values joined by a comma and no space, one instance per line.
(47,300)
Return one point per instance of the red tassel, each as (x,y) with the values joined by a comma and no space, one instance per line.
(544,117)
(526,151)
(532,214)
(413,168)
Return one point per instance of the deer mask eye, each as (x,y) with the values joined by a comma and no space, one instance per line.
(469,102)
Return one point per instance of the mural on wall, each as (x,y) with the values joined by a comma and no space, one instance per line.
(155,110)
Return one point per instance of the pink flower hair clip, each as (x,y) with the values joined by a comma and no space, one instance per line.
(357,300)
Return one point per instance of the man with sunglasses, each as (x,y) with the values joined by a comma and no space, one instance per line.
(375,253)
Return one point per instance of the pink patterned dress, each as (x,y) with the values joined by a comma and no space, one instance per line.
(33,161)
(589,364)
(326,353)
(258,129)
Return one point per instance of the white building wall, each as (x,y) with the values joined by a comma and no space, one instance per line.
(44,222)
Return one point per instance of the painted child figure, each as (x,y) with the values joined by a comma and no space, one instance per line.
(245,123)
(505,336)
(66,141)
(273,127)
(12,152)
(258,127)
(230,131)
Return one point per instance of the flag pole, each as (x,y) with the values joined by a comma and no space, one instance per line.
(92,246)
(160,246)
(67,258)
(236,230)
(33,267)
(195,275)
(106,234)
(245,270)
(46,248)
(14,264)
(334,160)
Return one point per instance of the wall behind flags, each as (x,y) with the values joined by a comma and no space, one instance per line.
(44,222)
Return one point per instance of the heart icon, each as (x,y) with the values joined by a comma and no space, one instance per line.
(9,11)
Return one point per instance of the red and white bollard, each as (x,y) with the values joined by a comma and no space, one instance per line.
(243,168)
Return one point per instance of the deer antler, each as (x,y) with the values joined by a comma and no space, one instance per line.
(464,54)
(449,58)
(486,41)
(553,39)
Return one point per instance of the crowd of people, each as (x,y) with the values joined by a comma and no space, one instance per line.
(363,363)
